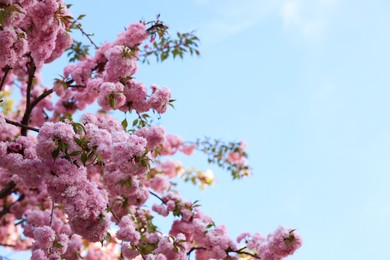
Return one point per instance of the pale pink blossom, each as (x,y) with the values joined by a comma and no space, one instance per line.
(159,99)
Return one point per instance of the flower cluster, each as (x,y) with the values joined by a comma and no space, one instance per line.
(63,186)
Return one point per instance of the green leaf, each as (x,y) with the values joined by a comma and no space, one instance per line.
(165,55)
(99,160)
(101,217)
(90,155)
(69,116)
(84,158)
(144,163)
(78,141)
(112,101)
(124,124)
(57,244)
(75,153)
(55,153)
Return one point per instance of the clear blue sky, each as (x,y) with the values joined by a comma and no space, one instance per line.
(306,84)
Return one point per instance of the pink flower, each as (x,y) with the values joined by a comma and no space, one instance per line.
(160,209)
(134,35)
(38,254)
(111,95)
(188,149)
(283,242)
(159,183)
(49,133)
(154,135)
(127,231)
(159,99)
(136,97)
(243,236)
(44,236)
(120,65)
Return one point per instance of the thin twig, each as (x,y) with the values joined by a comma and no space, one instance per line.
(158,197)
(52,212)
(6,70)
(21,125)
(7,245)
(115,216)
(241,252)
(7,209)
(7,190)
(42,96)
(87,35)
(27,112)
(193,249)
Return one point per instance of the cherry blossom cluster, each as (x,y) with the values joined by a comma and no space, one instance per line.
(108,78)
(67,185)
(33,28)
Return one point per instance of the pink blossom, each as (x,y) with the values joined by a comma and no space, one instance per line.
(111,95)
(134,35)
(80,72)
(188,149)
(120,65)
(257,242)
(154,135)
(44,236)
(160,209)
(170,168)
(128,253)
(159,184)
(136,97)
(127,231)
(38,254)
(49,133)
(171,145)
(243,236)
(159,99)
(63,41)
(74,247)
(8,131)
(283,242)
(166,248)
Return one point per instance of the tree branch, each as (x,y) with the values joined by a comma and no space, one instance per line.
(6,70)
(41,97)
(7,190)
(27,113)
(241,252)
(158,197)
(193,249)
(87,35)
(52,212)
(21,125)
(115,216)
(8,208)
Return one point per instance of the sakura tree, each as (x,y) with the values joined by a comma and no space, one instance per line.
(67,184)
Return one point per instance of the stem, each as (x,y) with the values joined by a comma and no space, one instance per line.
(52,212)
(21,125)
(241,252)
(7,245)
(7,190)
(158,197)
(41,97)
(6,210)
(115,216)
(193,249)
(6,70)
(87,35)
(27,112)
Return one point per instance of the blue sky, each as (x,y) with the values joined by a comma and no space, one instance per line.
(306,84)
